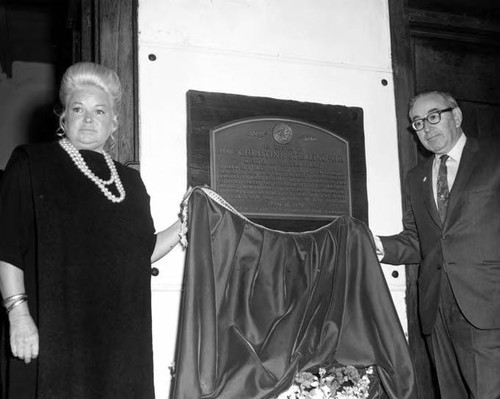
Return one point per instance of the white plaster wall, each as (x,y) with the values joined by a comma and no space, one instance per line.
(324,51)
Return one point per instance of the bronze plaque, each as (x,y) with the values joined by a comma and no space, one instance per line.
(281,168)
(328,126)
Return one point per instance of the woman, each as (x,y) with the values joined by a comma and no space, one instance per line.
(76,243)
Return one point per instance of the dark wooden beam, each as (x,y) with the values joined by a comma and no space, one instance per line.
(88,31)
(5,52)
(454,27)
(116,47)
(33,3)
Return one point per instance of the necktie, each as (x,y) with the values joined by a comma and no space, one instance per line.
(443,191)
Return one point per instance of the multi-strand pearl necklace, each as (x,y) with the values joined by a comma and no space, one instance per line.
(80,163)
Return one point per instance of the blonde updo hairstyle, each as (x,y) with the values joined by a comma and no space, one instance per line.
(88,74)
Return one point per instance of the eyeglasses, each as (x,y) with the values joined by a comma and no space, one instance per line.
(433,118)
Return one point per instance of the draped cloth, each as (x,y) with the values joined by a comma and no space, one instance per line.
(259,305)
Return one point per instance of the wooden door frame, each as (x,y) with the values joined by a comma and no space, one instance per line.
(5,53)
(105,31)
(404,90)
(405,24)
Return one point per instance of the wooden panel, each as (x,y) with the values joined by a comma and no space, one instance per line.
(480,120)
(470,73)
(87,31)
(455,27)
(466,70)
(117,49)
(468,8)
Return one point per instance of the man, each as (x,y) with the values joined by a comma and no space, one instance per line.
(452,228)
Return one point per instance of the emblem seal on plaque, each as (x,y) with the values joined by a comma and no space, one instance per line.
(282,133)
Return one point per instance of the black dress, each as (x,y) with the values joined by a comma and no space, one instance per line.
(86,262)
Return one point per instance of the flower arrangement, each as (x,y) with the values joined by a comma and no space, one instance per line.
(338,382)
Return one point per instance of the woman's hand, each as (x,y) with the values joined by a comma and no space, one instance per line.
(23,334)
(23,331)
(187,194)
(167,239)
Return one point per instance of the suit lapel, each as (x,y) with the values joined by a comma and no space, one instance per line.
(428,192)
(468,162)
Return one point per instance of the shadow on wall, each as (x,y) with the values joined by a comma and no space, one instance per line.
(42,124)
(27,103)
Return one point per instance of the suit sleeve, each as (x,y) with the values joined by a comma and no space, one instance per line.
(403,248)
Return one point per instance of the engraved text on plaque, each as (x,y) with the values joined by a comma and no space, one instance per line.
(281,168)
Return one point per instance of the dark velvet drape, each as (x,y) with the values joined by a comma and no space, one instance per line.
(260,305)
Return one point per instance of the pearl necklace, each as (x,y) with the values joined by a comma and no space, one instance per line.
(80,163)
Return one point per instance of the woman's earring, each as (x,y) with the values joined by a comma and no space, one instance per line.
(61,132)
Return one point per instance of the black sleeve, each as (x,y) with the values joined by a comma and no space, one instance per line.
(16,211)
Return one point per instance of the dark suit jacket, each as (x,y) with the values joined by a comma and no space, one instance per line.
(466,244)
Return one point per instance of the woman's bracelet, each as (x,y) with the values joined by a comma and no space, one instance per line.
(13,298)
(15,303)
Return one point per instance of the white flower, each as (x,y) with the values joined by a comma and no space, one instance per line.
(291,393)
(317,393)
(308,385)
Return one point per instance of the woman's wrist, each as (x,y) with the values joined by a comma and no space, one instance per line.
(19,311)
(14,301)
